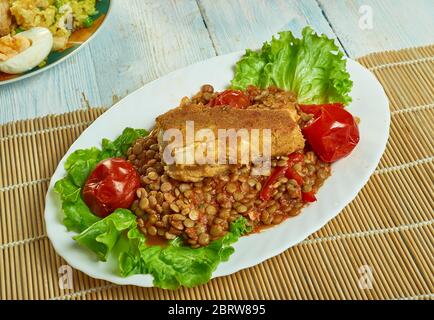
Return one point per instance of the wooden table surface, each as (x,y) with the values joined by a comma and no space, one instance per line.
(145,39)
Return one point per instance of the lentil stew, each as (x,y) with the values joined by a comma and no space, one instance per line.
(202,211)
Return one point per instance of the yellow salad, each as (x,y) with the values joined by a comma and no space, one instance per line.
(61,17)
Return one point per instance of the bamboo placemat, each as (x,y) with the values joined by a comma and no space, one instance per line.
(385,235)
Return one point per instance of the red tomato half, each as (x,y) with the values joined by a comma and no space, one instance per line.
(111,185)
(333,133)
(233,98)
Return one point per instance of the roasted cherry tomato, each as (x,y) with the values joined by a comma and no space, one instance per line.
(111,185)
(265,193)
(287,170)
(333,133)
(233,98)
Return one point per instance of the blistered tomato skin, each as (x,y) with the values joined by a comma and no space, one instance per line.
(233,98)
(333,134)
(112,185)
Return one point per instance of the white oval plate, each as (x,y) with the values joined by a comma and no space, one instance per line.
(140,109)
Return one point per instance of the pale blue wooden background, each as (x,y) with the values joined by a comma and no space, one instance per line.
(145,39)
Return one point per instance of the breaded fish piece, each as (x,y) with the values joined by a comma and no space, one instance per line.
(286,136)
(5,18)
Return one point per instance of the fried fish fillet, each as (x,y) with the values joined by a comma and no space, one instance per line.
(285,137)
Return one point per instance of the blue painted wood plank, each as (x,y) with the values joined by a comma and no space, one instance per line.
(239,24)
(149,39)
(140,42)
(66,87)
(396,24)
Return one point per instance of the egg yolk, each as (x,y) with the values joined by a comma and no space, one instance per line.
(11,46)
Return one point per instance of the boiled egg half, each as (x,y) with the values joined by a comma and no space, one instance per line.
(34,45)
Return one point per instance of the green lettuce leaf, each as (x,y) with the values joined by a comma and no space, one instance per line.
(80,163)
(119,147)
(177,265)
(171,266)
(313,67)
(102,236)
(77,216)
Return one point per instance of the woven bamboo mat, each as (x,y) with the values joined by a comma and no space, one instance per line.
(380,246)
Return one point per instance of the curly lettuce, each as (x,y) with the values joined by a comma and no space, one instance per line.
(77,215)
(312,67)
(117,234)
(176,264)
(102,236)
(172,266)
(78,166)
